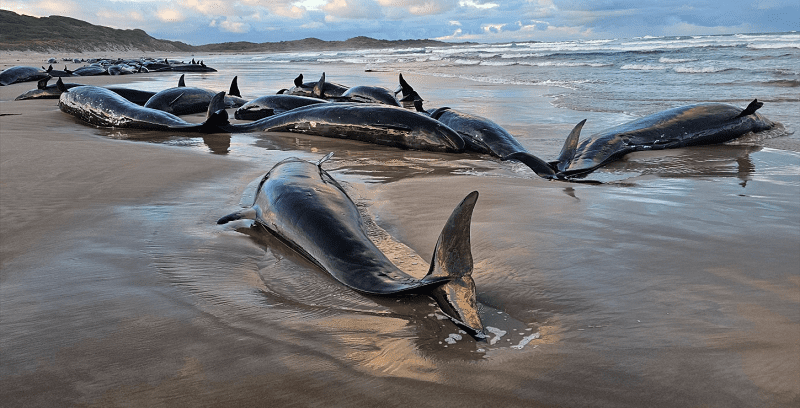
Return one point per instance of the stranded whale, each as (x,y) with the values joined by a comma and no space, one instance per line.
(184,100)
(692,125)
(269,105)
(21,74)
(307,209)
(102,107)
(373,123)
(44,91)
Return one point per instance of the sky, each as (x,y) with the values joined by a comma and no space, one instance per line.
(213,21)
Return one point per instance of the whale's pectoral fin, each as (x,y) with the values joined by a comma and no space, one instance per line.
(568,150)
(418,106)
(324,159)
(234,90)
(181,81)
(174,101)
(439,111)
(452,258)
(298,82)
(751,108)
(42,84)
(247,214)
(319,88)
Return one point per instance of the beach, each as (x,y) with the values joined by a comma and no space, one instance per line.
(675,283)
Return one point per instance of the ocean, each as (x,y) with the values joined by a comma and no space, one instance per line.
(676,282)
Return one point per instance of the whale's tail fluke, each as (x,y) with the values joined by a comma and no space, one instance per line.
(404,87)
(555,169)
(452,258)
(319,88)
(751,108)
(216,117)
(539,166)
(568,150)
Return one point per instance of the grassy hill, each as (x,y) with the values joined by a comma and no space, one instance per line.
(57,33)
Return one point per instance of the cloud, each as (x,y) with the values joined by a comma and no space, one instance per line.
(169,15)
(234,26)
(352,9)
(204,21)
(126,15)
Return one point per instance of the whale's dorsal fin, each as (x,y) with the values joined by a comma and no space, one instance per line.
(319,88)
(181,81)
(60,85)
(234,91)
(751,108)
(452,258)
(568,150)
(298,82)
(42,84)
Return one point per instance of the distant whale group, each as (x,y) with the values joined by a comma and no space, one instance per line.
(20,73)
(306,208)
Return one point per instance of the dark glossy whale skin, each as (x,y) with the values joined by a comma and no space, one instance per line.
(56,73)
(485,136)
(372,123)
(191,68)
(44,91)
(306,208)
(370,94)
(102,107)
(90,70)
(692,125)
(184,100)
(181,100)
(480,134)
(136,96)
(327,90)
(269,105)
(20,73)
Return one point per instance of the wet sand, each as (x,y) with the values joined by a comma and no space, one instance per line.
(118,289)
